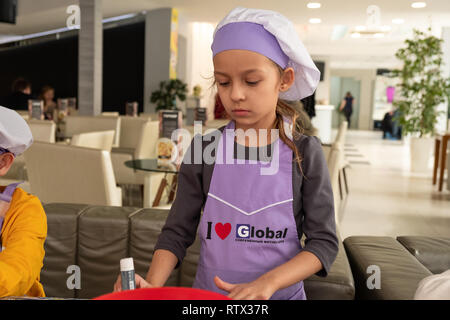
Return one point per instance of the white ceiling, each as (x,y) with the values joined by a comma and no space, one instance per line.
(42,15)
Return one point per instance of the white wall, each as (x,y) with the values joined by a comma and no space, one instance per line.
(200,69)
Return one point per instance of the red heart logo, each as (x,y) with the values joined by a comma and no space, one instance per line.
(223,230)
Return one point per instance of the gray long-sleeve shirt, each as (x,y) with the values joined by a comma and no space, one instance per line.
(313,200)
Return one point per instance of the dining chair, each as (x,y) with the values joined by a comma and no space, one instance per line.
(343,165)
(110,114)
(98,140)
(152,116)
(138,138)
(81,124)
(335,160)
(43,130)
(64,173)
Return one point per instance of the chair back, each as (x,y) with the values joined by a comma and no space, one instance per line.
(151,116)
(110,114)
(335,160)
(98,140)
(139,134)
(82,124)
(43,130)
(342,132)
(62,173)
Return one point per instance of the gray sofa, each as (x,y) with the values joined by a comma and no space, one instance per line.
(403,262)
(95,238)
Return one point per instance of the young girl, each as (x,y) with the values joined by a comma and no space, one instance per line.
(252,223)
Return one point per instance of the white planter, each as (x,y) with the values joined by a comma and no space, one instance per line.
(421,150)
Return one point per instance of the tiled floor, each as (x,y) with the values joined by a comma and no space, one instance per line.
(385,198)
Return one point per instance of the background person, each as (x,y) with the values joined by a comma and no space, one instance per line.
(21,93)
(48,95)
(347,106)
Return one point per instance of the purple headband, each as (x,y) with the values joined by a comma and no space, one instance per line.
(3,150)
(249,36)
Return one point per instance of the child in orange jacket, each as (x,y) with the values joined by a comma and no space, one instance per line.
(23,223)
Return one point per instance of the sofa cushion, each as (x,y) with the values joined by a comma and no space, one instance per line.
(400,272)
(145,228)
(432,252)
(103,240)
(337,285)
(60,248)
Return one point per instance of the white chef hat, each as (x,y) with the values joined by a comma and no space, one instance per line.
(434,287)
(272,35)
(15,134)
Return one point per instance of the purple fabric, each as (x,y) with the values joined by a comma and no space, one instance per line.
(3,150)
(390,91)
(8,192)
(239,247)
(249,36)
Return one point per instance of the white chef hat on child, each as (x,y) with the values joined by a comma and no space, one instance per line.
(272,35)
(434,287)
(15,134)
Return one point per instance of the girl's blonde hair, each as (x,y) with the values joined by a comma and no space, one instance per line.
(284,110)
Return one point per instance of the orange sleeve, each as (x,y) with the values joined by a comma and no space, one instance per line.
(23,237)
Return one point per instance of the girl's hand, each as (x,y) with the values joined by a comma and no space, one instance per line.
(140,283)
(260,289)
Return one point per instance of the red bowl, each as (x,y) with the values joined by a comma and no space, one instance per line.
(164,293)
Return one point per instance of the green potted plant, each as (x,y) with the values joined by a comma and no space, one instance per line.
(169,91)
(422,90)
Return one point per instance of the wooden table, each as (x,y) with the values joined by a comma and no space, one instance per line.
(440,158)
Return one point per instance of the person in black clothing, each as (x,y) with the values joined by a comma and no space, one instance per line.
(21,92)
(386,125)
(347,106)
(390,126)
(309,105)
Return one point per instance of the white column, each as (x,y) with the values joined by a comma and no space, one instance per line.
(90,58)
(157,52)
(200,69)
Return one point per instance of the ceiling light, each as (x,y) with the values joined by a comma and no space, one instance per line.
(418,5)
(360,28)
(313,5)
(385,28)
(378,35)
(356,35)
(398,21)
(315,20)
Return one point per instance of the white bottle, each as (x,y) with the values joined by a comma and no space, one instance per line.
(127,273)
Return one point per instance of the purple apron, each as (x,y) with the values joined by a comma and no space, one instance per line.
(6,196)
(248,226)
